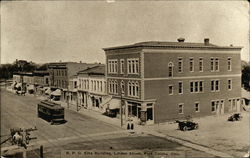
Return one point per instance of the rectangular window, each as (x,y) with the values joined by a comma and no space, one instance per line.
(196,86)
(170,89)
(191,87)
(213,106)
(212,86)
(133,66)
(180,87)
(200,64)
(122,66)
(180,65)
(191,65)
(229,64)
(181,107)
(215,85)
(201,86)
(212,64)
(112,66)
(197,107)
(217,64)
(229,84)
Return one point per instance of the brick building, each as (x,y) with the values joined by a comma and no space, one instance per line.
(92,87)
(60,73)
(161,81)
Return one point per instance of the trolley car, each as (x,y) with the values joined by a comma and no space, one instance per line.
(50,111)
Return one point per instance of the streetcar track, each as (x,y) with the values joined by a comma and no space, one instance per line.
(72,130)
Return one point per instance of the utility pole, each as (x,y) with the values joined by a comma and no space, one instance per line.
(121,107)
(67,94)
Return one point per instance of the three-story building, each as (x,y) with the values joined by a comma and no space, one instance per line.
(161,81)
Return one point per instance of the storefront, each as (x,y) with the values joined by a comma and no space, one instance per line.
(143,112)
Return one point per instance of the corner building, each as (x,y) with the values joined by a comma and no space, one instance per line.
(163,81)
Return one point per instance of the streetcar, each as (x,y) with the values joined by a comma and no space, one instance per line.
(50,111)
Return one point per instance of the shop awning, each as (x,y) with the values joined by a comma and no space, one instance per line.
(31,87)
(18,85)
(114,104)
(13,84)
(48,91)
(57,92)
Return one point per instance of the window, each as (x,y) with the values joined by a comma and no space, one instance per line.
(216,64)
(191,87)
(196,86)
(229,64)
(170,90)
(215,85)
(180,65)
(75,84)
(113,86)
(229,84)
(197,107)
(180,87)
(122,87)
(181,106)
(101,86)
(112,66)
(133,89)
(213,106)
(200,64)
(212,64)
(122,66)
(201,86)
(170,69)
(191,65)
(133,66)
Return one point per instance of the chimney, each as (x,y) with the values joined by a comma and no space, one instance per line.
(181,39)
(206,41)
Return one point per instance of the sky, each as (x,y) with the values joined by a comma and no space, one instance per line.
(50,31)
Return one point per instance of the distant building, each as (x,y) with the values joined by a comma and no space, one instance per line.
(60,73)
(41,78)
(161,81)
(92,87)
(73,90)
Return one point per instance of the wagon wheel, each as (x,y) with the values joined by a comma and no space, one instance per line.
(185,128)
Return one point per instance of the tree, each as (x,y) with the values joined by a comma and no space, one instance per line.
(245,78)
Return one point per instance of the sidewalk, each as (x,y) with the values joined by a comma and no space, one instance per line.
(150,129)
(94,114)
(209,138)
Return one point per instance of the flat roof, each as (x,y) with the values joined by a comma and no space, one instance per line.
(162,44)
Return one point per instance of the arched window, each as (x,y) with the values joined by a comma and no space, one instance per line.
(170,69)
